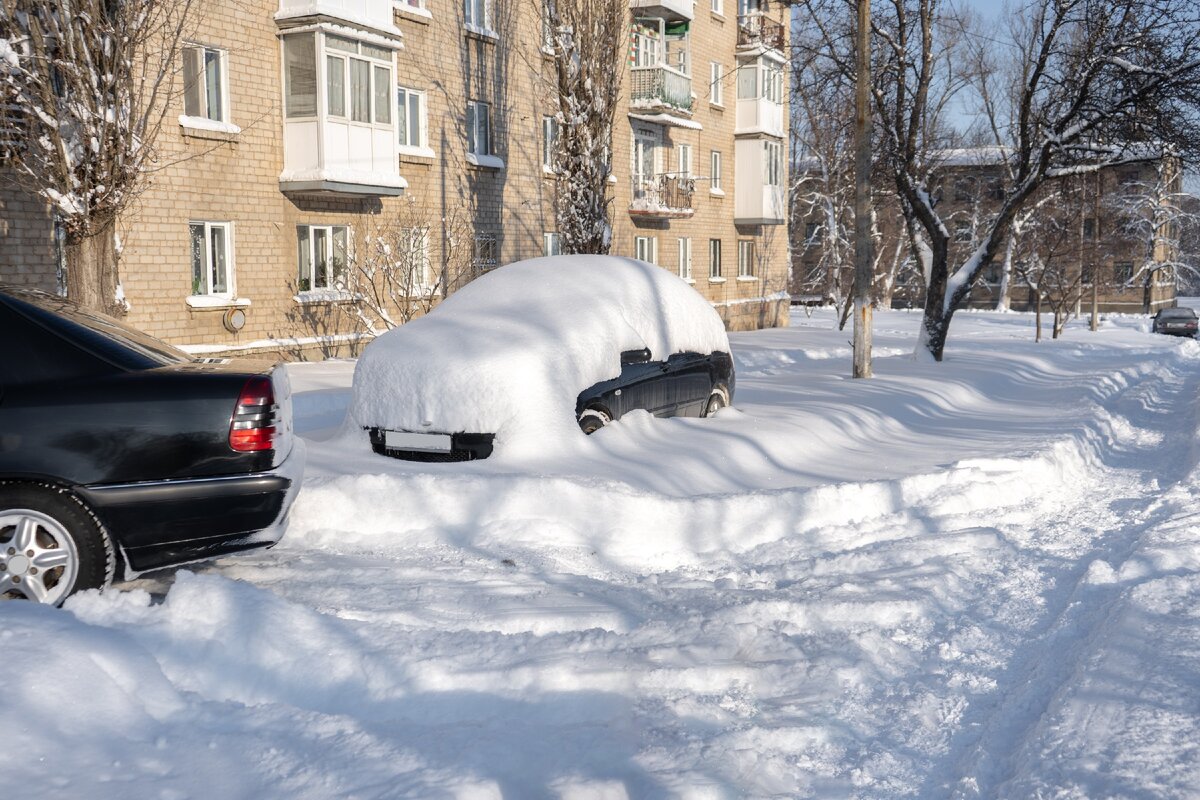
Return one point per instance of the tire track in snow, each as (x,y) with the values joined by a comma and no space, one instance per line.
(983,759)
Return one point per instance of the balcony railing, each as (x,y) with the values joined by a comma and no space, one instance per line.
(661,86)
(759,29)
(663,196)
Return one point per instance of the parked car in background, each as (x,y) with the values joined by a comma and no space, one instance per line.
(527,355)
(1179,321)
(120,454)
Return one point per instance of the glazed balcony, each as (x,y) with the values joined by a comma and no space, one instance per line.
(670,10)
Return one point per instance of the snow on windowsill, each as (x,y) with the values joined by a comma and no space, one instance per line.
(716,280)
(216,301)
(207,125)
(717,192)
(325,296)
(487,162)
(770,298)
(416,152)
(548,172)
(747,279)
(486,33)
(419,14)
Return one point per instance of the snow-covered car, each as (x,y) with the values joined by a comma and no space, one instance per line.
(527,355)
(1179,321)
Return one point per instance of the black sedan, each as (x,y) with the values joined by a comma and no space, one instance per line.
(1180,321)
(685,384)
(120,454)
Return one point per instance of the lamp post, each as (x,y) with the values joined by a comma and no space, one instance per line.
(863,271)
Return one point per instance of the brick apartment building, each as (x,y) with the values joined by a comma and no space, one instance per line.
(1104,235)
(311,130)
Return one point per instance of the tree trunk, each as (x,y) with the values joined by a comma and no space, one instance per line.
(935,324)
(1037,316)
(92,271)
(1094,325)
(1002,302)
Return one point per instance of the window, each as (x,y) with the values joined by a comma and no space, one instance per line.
(762,78)
(486,249)
(1123,272)
(300,75)
(551,244)
(714,259)
(745,258)
(204,85)
(549,142)
(410,117)
(772,163)
(211,262)
(1088,274)
(547,28)
(645,248)
(747,82)
(772,79)
(964,189)
(812,233)
(358,85)
(645,46)
(715,169)
(478,14)
(717,7)
(321,256)
(962,230)
(685,258)
(1089,228)
(715,72)
(415,257)
(683,160)
(419,5)
(479,128)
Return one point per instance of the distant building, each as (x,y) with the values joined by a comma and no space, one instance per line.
(1111,235)
(311,134)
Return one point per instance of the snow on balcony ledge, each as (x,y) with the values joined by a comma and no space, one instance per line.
(343,10)
(341,181)
(668,119)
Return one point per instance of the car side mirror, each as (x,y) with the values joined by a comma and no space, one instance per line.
(635,356)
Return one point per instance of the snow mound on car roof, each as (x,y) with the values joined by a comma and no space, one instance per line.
(509,353)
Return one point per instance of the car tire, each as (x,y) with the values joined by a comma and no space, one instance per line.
(51,544)
(716,401)
(592,420)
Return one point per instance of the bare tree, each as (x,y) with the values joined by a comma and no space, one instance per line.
(395,271)
(588,39)
(88,89)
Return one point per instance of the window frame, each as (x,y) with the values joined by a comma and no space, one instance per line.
(746,257)
(480,260)
(715,274)
(716,89)
(206,288)
(646,245)
(473,24)
(473,118)
(549,143)
(683,160)
(422,118)
(551,243)
(772,163)
(333,274)
(715,166)
(202,83)
(717,7)
(685,258)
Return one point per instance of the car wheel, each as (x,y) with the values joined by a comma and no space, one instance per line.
(51,545)
(592,420)
(716,401)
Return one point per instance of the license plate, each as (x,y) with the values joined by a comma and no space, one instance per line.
(430,442)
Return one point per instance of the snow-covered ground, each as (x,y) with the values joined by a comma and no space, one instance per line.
(973,579)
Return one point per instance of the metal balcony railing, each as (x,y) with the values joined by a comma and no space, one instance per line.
(757,28)
(662,195)
(661,85)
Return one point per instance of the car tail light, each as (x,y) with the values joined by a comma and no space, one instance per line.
(253,426)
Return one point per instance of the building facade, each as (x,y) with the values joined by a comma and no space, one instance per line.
(1109,238)
(316,145)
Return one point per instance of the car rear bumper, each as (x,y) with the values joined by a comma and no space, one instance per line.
(160,524)
(442,447)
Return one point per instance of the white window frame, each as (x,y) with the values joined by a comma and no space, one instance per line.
(714,261)
(473,128)
(551,243)
(205,288)
(716,90)
(685,258)
(549,143)
(330,279)
(717,7)
(772,163)
(714,164)
(746,252)
(380,100)
(404,97)
(472,11)
(196,97)
(645,248)
(416,255)
(683,161)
